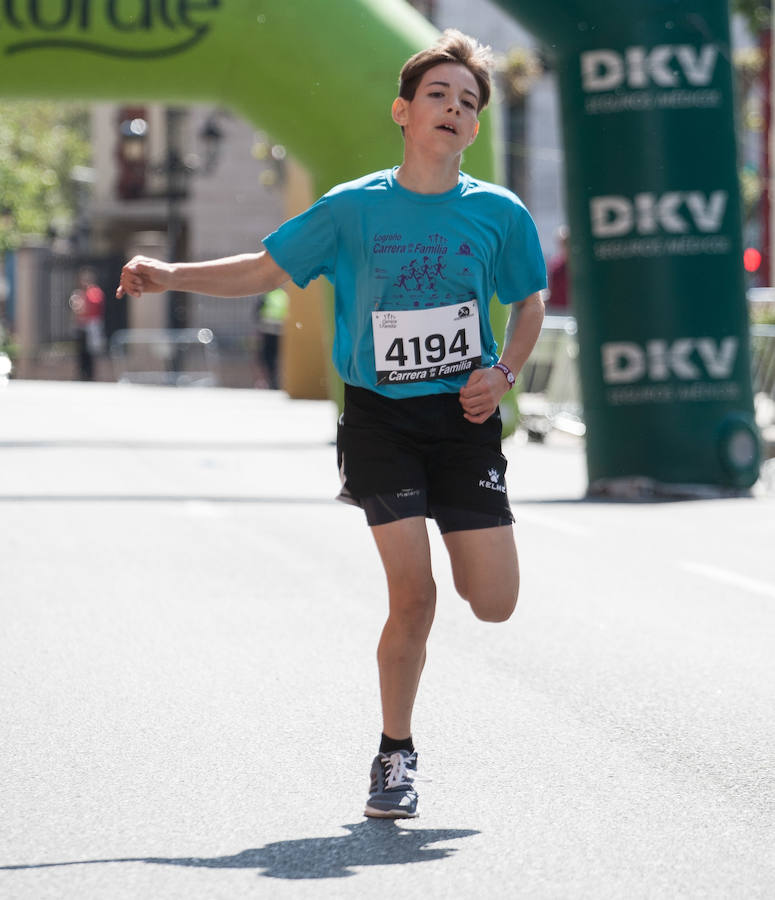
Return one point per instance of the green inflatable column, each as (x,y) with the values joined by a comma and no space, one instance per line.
(654,211)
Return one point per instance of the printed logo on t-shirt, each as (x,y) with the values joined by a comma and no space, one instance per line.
(421,275)
(416,273)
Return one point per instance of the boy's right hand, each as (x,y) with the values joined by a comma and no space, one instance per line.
(142,274)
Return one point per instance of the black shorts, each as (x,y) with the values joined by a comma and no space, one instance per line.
(420,456)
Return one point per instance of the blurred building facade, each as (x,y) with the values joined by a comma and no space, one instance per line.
(242,199)
(198,182)
(219,193)
(228,209)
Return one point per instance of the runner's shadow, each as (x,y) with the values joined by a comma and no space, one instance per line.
(369,843)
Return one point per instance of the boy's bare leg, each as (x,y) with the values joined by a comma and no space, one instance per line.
(405,552)
(485,568)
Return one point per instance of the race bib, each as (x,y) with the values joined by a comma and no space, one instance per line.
(423,344)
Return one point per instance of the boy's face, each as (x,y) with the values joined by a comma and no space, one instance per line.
(443,114)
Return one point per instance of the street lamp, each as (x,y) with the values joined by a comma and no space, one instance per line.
(83,178)
(177,167)
(210,136)
(7,226)
(132,153)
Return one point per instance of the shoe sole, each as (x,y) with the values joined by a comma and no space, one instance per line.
(388,813)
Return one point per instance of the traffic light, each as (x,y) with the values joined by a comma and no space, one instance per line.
(752,259)
(132,152)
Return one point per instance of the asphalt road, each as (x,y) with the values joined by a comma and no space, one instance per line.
(188,692)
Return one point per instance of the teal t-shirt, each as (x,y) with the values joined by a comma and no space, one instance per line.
(386,249)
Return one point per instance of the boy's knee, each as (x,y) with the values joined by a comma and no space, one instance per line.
(494,607)
(415,605)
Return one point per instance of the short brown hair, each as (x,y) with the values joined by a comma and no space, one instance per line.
(452,47)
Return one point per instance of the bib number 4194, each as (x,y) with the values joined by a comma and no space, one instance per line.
(432,350)
(421,345)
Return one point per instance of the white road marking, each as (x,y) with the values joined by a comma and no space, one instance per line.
(553,522)
(732,578)
(202,509)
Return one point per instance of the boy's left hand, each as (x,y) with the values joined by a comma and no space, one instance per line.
(482,394)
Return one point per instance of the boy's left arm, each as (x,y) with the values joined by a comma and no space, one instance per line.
(485,387)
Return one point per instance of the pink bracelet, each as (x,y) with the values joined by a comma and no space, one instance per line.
(507,372)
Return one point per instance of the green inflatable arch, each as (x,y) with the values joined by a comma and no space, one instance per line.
(319,75)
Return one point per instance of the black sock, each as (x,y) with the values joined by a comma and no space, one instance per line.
(390,745)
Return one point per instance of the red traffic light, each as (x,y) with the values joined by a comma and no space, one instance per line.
(752,259)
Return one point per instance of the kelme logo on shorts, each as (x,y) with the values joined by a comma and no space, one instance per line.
(129,29)
(492,484)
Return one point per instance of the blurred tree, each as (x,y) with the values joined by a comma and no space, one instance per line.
(40,143)
(754,101)
(749,71)
(757,13)
(518,71)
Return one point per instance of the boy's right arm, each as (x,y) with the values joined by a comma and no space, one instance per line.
(233,276)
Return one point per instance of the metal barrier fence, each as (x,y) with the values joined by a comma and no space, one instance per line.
(763,363)
(550,398)
(183,357)
(59,278)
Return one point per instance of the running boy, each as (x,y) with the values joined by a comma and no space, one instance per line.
(414,253)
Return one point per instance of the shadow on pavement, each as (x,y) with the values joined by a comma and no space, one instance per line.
(165,498)
(369,843)
(172,445)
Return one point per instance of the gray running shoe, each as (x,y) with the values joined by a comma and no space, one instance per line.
(392,794)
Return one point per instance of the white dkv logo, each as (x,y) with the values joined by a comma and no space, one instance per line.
(666,66)
(686,358)
(674,212)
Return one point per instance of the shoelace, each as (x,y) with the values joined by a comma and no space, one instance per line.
(396,772)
